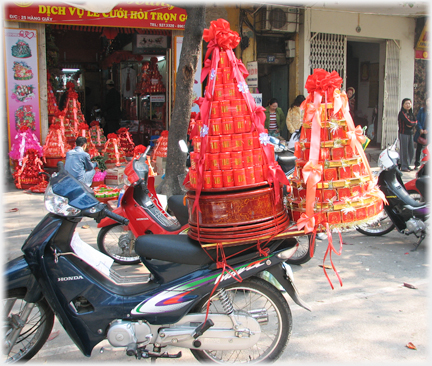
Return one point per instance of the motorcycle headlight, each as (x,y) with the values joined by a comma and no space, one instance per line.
(126,180)
(58,205)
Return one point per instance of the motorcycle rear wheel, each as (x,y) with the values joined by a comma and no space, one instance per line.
(247,296)
(118,244)
(379,228)
(302,254)
(34,332)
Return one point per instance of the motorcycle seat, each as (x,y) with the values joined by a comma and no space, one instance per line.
(286,160)
(172,248)
(180,211)
(184,250)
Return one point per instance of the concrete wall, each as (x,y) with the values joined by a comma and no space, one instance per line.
(373,27)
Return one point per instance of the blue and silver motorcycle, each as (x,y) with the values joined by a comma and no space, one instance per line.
(186,300)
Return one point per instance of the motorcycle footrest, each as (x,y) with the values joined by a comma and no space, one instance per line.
(164,355)
(200,329)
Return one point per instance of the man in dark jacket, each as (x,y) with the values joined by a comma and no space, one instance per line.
(112,109)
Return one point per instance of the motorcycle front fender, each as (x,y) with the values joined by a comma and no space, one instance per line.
(18,276)
(282,273)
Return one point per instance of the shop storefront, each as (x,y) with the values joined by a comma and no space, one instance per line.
(55,44)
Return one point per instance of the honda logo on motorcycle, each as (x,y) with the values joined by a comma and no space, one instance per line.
(71,278)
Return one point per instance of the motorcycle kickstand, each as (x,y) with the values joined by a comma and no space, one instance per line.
(418,243)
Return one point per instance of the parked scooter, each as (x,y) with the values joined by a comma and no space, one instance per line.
(403,211)
(247,320)
(146,215)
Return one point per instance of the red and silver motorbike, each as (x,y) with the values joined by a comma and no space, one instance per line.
(146,215)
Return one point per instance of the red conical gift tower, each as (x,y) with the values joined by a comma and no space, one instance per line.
(116,155)
(24,140)
(333,184)
(55,146)
(232,155)
(161,148)
(52,102)
(97,135)
(73,107)
(126,142)
(333,187)
(27,175)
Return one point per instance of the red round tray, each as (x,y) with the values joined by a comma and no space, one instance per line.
(226,189)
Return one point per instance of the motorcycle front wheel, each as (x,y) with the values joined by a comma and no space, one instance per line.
(118,243)
(252,296)
(33,330)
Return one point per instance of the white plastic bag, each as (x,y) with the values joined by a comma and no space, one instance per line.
(294,138)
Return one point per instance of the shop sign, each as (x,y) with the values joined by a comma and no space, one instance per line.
(422,47)
(22,81)
(134,14)
(252,79)
(157,98)
(258,99)
(143,42)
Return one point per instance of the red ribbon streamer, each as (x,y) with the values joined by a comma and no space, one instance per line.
(330,249)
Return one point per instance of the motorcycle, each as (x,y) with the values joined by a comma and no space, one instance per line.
(141,206)
(186,300)
(403,211)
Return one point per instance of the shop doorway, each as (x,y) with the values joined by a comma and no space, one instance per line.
(363,74)
(141,74)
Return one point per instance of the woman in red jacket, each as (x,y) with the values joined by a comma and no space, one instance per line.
(406,123)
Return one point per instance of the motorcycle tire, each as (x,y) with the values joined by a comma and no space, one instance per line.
(416,195)
(118,244)
(276,326)
(35,331)
(302,254)
(379,228)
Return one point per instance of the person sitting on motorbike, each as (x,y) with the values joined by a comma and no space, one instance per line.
(78,162)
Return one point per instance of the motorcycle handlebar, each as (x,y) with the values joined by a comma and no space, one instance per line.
(120,219)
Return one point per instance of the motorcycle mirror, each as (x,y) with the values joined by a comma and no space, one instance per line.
(183,146)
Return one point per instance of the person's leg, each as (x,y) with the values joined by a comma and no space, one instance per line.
(418,154)
(410,150)
(88,177)
(403,151)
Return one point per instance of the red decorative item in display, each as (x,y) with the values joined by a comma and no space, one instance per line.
(330,157)
(24,140)
(126,142)
(27,175)
(52,102)
(116,155)
(150,79)
(55,143)
(97,134)
(222,165)
(161,146)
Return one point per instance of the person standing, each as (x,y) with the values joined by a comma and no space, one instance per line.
(78,162)
(294,117)
(112,109)
(406,124)
(275,118)
(351,101)
(422,130)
